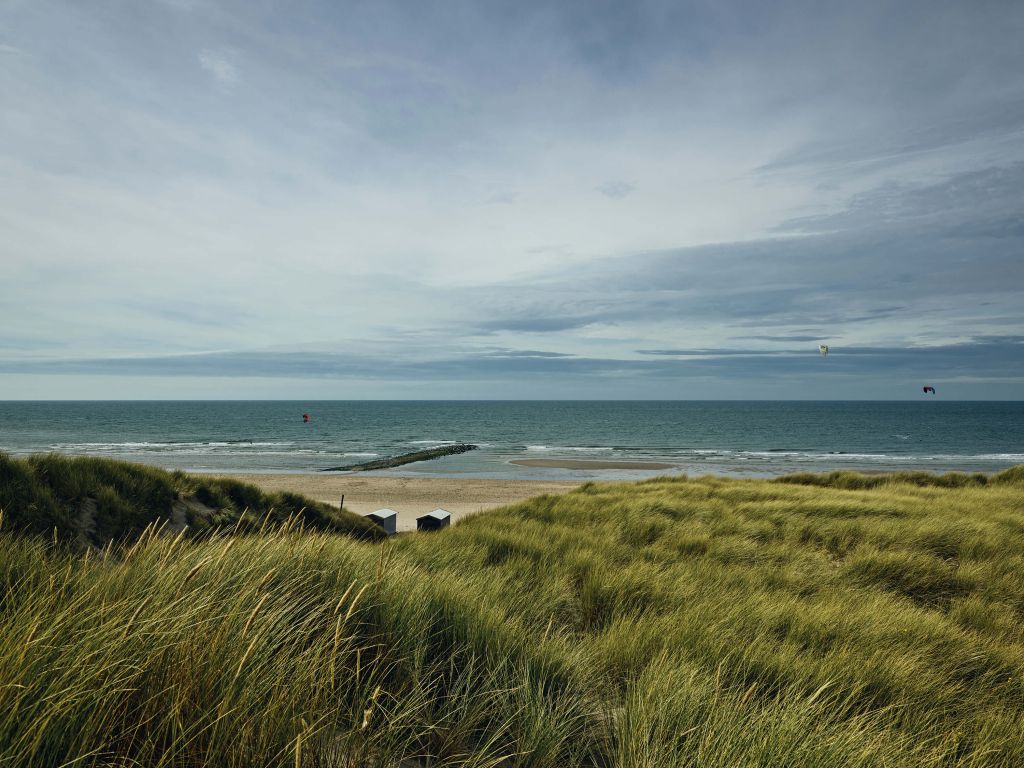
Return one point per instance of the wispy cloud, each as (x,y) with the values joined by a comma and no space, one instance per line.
(616,189)
(505,197)
(220,65)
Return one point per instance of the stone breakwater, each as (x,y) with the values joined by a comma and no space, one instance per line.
(405,458)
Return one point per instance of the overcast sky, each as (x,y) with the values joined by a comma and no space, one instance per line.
(298,199)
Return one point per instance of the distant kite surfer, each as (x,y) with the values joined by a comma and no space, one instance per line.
(823,348)
(928,389)
(306,418)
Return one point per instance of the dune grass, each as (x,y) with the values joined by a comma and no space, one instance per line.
(790,623)
(813,622)
(92,501)
(287,649)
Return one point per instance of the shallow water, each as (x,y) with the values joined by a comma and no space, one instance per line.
(721,437)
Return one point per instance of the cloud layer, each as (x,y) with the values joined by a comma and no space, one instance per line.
(652,199)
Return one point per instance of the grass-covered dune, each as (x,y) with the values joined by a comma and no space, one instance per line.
(91,501)
(820,621)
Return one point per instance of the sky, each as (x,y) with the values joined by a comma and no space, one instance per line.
(461,200)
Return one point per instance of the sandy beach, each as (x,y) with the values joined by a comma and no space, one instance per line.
(409,496)
(590,464)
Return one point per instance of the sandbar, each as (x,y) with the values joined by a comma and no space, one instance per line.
(590,464)
(409,496)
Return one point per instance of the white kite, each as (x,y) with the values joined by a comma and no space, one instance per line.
(823,348)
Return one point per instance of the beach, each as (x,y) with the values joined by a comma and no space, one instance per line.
(409,496)
(591,464)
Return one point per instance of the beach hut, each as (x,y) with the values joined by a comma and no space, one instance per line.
(432,521)
(386,519)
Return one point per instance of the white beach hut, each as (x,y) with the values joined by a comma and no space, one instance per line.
(432,521)
(386,519)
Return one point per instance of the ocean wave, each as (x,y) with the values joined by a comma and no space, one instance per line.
(795,457)
(182,444)
(780,456)
(286,453)
(156,450)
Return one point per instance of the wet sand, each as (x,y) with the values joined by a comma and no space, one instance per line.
(590,464)
(409,496)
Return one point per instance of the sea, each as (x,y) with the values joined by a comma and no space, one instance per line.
(749,438)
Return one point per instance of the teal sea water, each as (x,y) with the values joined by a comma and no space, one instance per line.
(719,437)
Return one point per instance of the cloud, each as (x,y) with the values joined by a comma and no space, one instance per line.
(540,323)
(507,197)
(1003,118)
(616,190)
(982,202)
(717,352)
(513,353)
(219,64)
(939,363)
(417,193)
(784,337)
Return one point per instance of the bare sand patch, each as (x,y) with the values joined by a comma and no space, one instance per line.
(409,496)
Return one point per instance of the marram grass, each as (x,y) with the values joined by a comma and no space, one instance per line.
(88,502)
(284,649)
(814,622)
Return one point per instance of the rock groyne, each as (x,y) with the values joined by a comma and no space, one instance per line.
(405,458)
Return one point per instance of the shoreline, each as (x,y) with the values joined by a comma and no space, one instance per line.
(409,496)
(591,464)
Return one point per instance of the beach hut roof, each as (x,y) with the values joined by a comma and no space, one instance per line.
(384,513)
(438,514)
